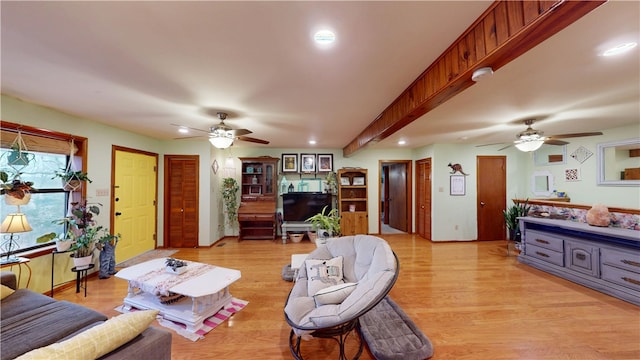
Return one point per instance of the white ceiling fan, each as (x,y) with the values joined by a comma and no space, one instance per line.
(531,139)
(222,136)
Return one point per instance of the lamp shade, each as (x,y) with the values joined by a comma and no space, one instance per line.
(528,145)
(221,138)
(15,223)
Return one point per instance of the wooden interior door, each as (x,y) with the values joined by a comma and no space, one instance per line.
(398,196)
(423,198)
(181,200)
(134,201)
(492,185)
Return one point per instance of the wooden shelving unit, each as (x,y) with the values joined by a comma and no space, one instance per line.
(353,201)
(258,186)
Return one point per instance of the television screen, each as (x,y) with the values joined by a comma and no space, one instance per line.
(299,206)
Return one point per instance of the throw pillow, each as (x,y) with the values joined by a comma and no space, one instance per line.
(323,273)
(334,294)
(98,340)
(5,291)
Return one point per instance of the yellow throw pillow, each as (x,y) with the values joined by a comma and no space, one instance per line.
(97,341)
(5,291)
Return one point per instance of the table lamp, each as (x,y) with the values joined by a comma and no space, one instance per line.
(13,223)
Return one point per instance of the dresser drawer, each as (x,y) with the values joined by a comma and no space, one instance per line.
(582,257)
(621,259)
(544,240)
(547,255)
(621,277)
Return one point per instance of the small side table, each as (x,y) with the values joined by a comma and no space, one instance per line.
(20,261)
(81,275)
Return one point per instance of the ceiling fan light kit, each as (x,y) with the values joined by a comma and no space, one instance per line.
(221,139)
(528,145)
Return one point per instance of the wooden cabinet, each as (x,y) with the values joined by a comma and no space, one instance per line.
(259,178)
(258,186)
(603,258)
(353,201)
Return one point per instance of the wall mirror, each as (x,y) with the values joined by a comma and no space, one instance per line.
(550,155)
(542,183)
(619,163)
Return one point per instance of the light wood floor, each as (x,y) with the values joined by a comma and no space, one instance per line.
(470,299)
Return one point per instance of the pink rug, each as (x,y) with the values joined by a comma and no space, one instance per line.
(209,324)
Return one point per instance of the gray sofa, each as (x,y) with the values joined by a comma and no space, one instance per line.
(29,320)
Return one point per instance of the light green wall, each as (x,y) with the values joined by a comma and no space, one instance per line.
(447,211)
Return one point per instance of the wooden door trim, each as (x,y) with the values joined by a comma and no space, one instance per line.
(428,161)
(409,197)
(112,200)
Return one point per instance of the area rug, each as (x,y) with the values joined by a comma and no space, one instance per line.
(146,256)
(209,324)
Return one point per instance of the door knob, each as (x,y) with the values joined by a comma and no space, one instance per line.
(482,203)
(118,213)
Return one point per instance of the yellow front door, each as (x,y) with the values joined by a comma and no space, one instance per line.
(134,202)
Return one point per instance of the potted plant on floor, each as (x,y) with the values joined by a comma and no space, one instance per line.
(325,225)
(511,215)
(16,190)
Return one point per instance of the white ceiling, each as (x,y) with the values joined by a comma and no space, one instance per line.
(143,66)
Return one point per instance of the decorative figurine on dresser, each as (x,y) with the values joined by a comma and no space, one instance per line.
(259,190)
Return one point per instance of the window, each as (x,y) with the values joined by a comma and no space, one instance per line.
(50,152)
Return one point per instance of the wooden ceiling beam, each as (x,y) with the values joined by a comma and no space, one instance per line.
(506,30)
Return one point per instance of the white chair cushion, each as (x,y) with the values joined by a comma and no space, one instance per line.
(323,273)
(334,294)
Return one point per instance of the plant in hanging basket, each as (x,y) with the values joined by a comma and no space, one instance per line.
(15,187)
(71,178)
(230,198)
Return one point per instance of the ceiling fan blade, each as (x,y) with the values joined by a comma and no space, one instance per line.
(564,136)
(189,137)
(500,143)
(240,132)
(254,140)
(508,146)
(555,142)
(190,128)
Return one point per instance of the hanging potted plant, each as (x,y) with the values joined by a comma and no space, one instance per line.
(71,179)
(16,191)
(325,225)
(230,199)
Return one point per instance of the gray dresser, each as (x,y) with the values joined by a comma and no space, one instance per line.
(603,258)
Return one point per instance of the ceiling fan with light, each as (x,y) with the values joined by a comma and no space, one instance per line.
(222,136)
(531,139)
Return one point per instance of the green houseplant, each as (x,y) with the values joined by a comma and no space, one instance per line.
(17,191)
(230,198)
(83,230)
(511,216)
(329,222)
(71,179)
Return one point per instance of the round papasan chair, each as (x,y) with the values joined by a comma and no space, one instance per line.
(339,282)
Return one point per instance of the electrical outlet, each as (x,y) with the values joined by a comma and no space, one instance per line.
(102,192)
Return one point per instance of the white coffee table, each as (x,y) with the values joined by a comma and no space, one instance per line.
(208,292)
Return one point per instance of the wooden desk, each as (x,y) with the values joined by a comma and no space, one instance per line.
(257,220)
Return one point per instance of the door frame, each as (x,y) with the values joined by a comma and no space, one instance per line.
(409,194)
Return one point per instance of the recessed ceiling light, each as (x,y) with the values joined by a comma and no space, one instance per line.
(324,37)
(401,142)
(183,130)
(312,142)
(619,49)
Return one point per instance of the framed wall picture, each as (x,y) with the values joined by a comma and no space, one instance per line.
(307,163)
(457,185)
(289,163)
(325,162)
